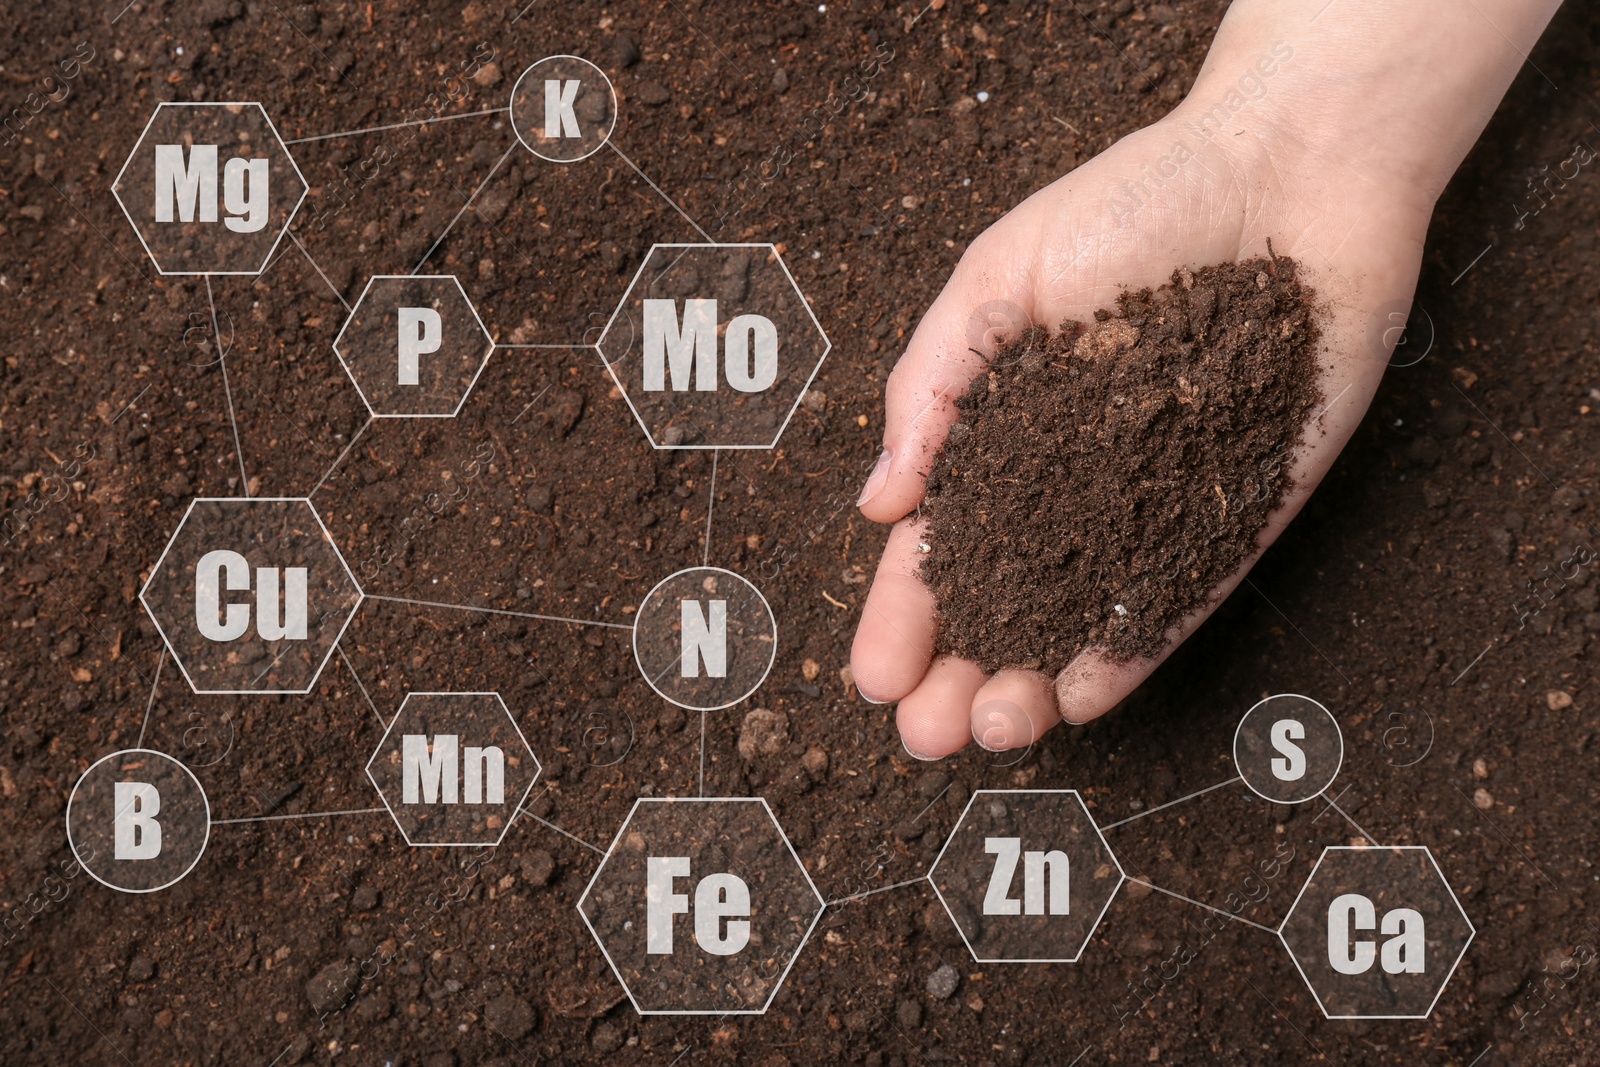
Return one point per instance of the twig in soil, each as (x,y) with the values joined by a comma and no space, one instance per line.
(873,892)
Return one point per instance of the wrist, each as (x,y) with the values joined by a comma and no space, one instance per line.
(1387,96)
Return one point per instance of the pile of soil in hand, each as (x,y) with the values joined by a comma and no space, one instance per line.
(1101,482)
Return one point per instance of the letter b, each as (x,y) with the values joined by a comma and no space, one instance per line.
(135,833)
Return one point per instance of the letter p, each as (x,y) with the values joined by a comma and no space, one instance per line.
(420,332)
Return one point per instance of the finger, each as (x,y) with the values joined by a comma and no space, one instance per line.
(894,640)
(1013,710)
(986,300)
(935,718)
(1092,685)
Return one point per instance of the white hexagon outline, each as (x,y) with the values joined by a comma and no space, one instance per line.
(516,808)
(634,635)
(827,345)
(1122,876)
(822,905)
(305,188)
(1426,851)
(615,109)
(361,595)
(1234,751)
(67,819)
(488,353)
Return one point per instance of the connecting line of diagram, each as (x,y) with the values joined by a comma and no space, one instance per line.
(399,125)
(464,207)
(524,810)
(498,611)
(927,877)
(1179,896)
(445,754)
(227,390)
(315,266)
(320,272)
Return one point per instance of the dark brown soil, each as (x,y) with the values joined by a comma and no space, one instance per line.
(1400,598)
(1102,481)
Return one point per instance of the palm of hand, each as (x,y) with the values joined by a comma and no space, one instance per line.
(1157,200)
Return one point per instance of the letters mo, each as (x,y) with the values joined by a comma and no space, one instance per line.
(689,348)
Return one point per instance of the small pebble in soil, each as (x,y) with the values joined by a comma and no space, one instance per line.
(943,982)
(764,733)
(332,987)
(510,1016)
(815,761)
(608,1037)
(538,867)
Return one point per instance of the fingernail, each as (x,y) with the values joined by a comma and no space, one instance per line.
(875,482)
(914,755)
(862,693)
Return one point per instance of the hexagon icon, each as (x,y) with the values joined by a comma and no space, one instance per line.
(251,595)
(1026,876)
(209,188)
(1376,932)
(701,906)
(414,346)
(453,768)
(713,345)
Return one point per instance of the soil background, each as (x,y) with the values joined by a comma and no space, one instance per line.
(1394,599)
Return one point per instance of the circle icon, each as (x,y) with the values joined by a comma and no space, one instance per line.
(138,820)
(1397,337)
(1408,737)
(1002,728)
(1288,748)
(704,638)
(563,109)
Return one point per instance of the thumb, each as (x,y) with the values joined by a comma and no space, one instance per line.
(980,308)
